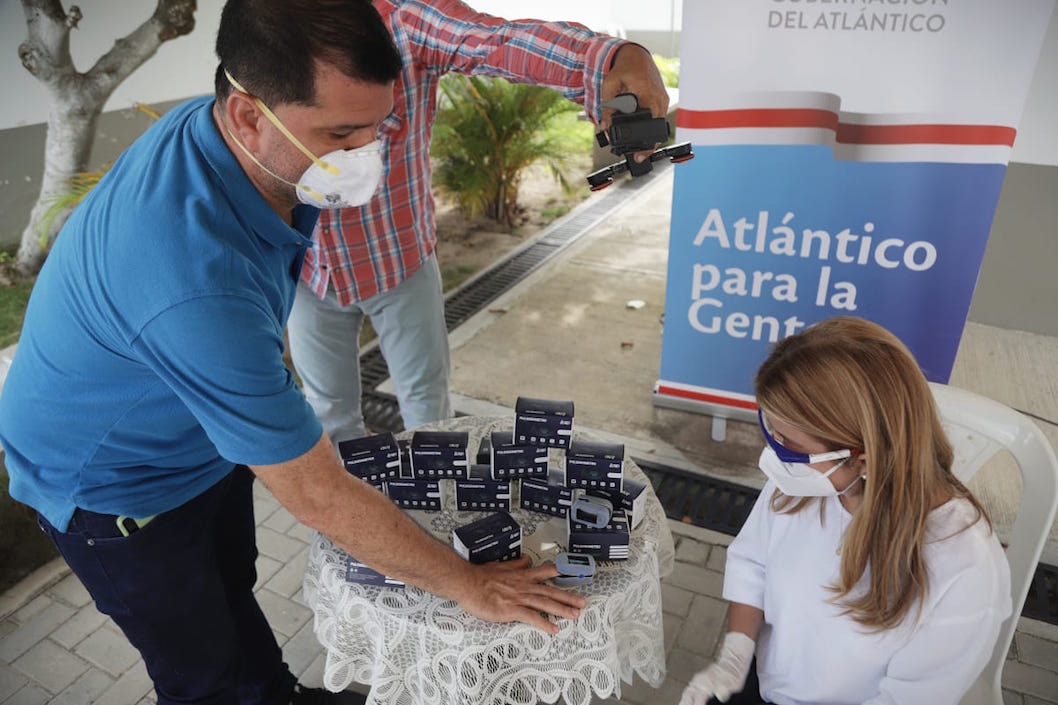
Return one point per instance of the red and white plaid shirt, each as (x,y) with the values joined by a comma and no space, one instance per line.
(365,251)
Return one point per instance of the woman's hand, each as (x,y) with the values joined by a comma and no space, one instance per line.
(726,675)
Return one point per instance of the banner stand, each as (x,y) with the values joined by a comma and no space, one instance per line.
(720,413)
(860,179)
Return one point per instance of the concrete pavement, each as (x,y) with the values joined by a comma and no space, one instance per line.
(56,648)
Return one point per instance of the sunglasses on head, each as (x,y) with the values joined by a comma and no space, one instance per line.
(788,455)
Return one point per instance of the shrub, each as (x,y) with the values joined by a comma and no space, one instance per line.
(488,131)
(669,69)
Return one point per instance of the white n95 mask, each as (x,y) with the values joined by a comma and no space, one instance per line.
(344,178)
(798,479)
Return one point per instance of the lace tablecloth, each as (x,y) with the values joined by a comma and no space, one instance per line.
(414,647)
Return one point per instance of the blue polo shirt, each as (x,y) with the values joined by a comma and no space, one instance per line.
(150,360)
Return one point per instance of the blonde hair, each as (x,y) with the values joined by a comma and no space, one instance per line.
(852,384)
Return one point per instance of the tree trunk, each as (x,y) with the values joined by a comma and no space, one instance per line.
(77,99)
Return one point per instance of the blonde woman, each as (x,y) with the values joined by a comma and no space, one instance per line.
(866,572)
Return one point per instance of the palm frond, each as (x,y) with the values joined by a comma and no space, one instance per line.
(77,187)
(487,132)
(669,68)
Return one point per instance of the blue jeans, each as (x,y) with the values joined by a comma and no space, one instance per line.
(413,338)
(181,589)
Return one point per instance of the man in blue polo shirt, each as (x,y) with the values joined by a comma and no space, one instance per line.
(148,389)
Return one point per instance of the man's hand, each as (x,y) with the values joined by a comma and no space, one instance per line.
(633,71)
(511,591)
(320,493)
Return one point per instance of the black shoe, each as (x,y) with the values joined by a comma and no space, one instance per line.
(320,696)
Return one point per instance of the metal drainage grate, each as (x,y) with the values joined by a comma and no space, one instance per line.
(480,291)
(687,497)
(702,501)
(475,295)
(381,412)
(1042,600)
(470,299)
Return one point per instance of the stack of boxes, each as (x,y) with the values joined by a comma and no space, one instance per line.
(597,469)
(606,543)
(412,474)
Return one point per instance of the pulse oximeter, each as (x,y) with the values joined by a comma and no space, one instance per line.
(592,511)
(574,569)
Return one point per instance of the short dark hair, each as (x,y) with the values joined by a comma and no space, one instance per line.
(271,46)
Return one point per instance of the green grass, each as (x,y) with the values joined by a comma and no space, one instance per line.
(452,277)
(555,212)
(669,68)
(13,300)
(575,135)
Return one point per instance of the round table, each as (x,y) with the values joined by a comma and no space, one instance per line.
(413,647)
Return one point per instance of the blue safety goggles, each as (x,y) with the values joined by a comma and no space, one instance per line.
(792,456)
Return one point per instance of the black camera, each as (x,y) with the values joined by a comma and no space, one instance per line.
(633,129)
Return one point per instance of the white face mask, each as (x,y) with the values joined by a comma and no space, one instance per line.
(800,480)
(344,178)
(352,180)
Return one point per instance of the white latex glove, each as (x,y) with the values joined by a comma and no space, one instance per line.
(724,676)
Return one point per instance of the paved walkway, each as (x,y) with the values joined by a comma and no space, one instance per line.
(55,647)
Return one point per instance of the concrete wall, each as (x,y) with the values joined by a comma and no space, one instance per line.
(1016,288)
(22,165)
(1018,284)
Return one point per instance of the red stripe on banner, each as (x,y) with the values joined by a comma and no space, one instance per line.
(702,396)
(926,134)
(756,117)
(847,133)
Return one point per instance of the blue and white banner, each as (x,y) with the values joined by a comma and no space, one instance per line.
(849,161)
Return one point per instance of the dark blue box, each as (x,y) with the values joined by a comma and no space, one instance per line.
(496,537)
(484,454)
(609,543)
(415,494)
(357,572)
(546,495)
(405,458)
(511,462)
(437,454)
(480,492)
(632,498)
(543,422)
(373,459)
(595,466)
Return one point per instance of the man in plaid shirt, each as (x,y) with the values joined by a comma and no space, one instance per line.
(378,260)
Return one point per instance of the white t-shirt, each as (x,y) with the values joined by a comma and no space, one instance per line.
(808,653)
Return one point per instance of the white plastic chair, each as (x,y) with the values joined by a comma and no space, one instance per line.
(979,428)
